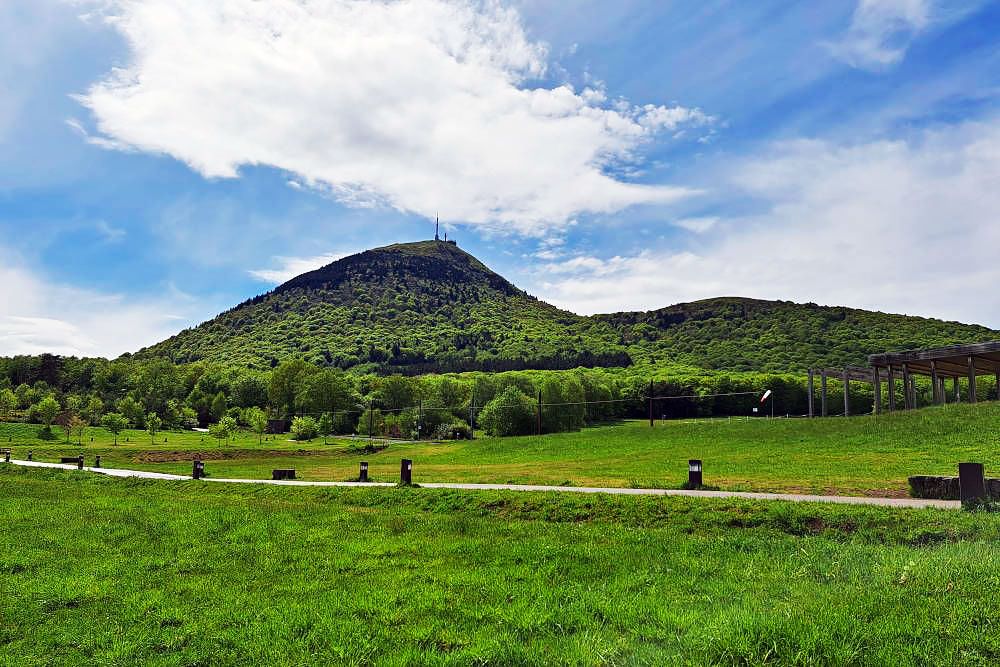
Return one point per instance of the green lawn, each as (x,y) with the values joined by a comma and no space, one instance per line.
(106,571)
(857,456)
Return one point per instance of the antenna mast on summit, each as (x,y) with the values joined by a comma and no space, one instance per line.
(437,225)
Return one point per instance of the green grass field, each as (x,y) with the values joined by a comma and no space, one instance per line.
(96,570)
(857,456)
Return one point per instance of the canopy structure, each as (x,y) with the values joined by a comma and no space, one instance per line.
(957,362)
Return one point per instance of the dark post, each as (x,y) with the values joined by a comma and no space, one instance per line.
(877,384)
(97,462)
(6,456)
(822,393)
(892,389)
(694,473)
(809,391)
(538,415)
(31,455)
(971,483)
(363,474)
(371,420)
(197,470)
(847,395)
(958,390)
(406,472)
(420,419)
(651,418)
(79,462)
(972,379)
(935,385)
(907,396)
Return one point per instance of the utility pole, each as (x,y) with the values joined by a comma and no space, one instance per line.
(650,404)
(538,426)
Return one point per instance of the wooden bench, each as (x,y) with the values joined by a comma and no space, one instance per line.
(283,473)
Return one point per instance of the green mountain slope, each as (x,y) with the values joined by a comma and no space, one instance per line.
(738,334)
(430,306)
(411,307)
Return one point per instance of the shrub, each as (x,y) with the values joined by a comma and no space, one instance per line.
(510,413)
(304,428)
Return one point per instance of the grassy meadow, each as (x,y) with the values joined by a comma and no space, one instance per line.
(96,570)
(856,456)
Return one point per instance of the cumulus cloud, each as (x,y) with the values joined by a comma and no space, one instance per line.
(881,31)
(289,267)
(38,316)
(422,105)
(903,226)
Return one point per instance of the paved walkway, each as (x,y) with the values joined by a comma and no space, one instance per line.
(792,497)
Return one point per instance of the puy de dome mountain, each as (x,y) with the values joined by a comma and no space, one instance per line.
(431,307)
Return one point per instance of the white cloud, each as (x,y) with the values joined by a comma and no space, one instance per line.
(696,225)
(38,316)
(289,267)
(423,105)
(881,32)
(901,226)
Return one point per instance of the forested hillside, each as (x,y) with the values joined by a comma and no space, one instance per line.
(737,334)
(410,308)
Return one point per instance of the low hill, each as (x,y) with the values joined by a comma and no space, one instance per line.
(430,306)
(409,307)
(739,334)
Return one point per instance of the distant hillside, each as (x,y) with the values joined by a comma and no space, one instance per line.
(430,306)
(411,307)
(732,333)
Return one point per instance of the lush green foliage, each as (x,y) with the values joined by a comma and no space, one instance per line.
(415,307)
(737,334)
(304,428)
(210,574)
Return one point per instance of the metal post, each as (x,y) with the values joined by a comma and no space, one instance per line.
(31,455)
(420,419)
(363,473)
(79,462)
(371,421)
(406,472)
(97,462)
(809,391)
(651,418)
(538,415)
(472,415)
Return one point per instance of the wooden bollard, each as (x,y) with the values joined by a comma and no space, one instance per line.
(406,472)
(198,471)
(97,462)
(971,483)
(79,462)
(694,473)
(30,455)
(363,474)
(6,456)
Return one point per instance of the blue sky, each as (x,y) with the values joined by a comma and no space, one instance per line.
(166,159)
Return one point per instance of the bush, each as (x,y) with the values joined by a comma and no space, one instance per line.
(510,413)
(304,428)
(456,430)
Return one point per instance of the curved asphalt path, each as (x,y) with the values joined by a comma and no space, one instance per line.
(911,503)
